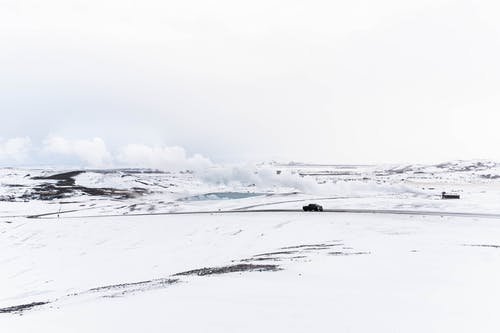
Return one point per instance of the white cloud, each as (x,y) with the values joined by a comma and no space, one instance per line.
(160,157)
(92,152)
(15,150)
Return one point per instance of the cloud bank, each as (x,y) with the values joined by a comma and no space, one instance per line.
(91,152)
(158,157)
(15,150)
(58,151)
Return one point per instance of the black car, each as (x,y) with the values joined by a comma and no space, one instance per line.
(313,208)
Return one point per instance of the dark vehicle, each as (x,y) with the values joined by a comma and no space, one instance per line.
(445,195)
(313,208)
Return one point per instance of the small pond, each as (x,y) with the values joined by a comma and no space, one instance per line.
(222,196)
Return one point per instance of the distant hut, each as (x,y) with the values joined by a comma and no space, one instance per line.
(445,195)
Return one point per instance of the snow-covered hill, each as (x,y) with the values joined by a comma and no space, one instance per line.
(94,192)
(91,251)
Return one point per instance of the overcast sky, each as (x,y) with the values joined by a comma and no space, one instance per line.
(103,82)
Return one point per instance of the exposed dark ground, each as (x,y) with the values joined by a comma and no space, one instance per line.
(65,186)
(22,307)
(230,269)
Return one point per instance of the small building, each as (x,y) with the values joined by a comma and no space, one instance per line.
(445,195)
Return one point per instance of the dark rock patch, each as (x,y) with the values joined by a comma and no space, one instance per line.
(61,176)
(260,259)
(230,269)
(22,307)
(490,176)
(133,284)
(339,253)
(321,246)
(65,186)
(275,253)
(58,191)
(483,245)
(118,290)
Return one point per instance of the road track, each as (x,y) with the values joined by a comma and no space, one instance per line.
(326,211)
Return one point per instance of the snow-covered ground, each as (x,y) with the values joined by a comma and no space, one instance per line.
(100,251)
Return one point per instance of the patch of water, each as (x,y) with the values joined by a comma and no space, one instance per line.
(222,196)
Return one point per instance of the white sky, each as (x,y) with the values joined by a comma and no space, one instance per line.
(356,81)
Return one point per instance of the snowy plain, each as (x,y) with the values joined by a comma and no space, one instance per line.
(228,249)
